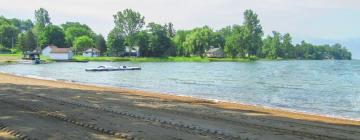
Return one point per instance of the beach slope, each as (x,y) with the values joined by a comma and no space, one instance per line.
(43,109)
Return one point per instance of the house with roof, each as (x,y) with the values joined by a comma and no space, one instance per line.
(215,53)
(132,51)
(31,55)
(56,53)
(91,52)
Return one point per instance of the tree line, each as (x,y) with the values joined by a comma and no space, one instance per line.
(244,40)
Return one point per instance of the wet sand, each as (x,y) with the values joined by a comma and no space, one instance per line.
(44,109)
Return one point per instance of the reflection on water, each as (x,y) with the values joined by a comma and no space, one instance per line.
(326,87)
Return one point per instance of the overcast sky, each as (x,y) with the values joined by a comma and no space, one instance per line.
(303,19)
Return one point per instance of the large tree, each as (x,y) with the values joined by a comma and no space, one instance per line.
(82,43)
(42,17)
(170,29)
(179,42)
(253,33)
(74,30)
(142,40)
(52,35)
(22,25)
(42,20)
(198,41)
(8,35)
(100,44)
(159,42)
(26,41)
(129,23)
(235,44)
(287,46)
(115,43)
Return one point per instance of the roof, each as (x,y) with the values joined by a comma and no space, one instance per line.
(51,46)
(32,53)
(90,50)
(213,50)
(60,50)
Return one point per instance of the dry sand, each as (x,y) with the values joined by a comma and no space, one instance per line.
(43,109)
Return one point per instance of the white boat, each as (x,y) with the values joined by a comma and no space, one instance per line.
(112,68)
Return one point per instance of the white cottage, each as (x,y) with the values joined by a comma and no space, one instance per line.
(46,51)
(92,52)
(132,51)
(56,53)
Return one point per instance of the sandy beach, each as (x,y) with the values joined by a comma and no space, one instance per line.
(43,109)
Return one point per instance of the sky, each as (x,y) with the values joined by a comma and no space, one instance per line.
(317,21)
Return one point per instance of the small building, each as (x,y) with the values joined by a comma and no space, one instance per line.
(61,54)
(132,51)
(92,52)
(215,53)
(56,53)
(46,51)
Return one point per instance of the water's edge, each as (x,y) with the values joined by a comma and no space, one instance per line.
(195,97)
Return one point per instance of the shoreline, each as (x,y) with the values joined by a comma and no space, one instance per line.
(188,96)
(273,111)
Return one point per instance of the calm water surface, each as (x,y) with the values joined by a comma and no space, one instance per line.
(322,87)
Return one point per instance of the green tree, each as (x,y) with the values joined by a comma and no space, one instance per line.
(226,32)
(22,25)
(20,43)
(82,43)
(42,17)
(100,44)
(52,35)
(287,46)
(235,41)
(115,43)
(42,20)
(26,41)
(67,25)
(74,30)
(142,40)
(129,23)
(232,45)
(253,33)
(179,41)
(159,42)
(170,29)
(4,21)
(272,46)
(8,35)
(217,40)
(198,41)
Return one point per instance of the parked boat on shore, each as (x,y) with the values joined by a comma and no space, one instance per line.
(112,68)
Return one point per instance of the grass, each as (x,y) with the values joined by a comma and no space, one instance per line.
(9,58)
(159,59)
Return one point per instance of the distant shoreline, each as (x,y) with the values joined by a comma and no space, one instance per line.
(13,58)
(21,80)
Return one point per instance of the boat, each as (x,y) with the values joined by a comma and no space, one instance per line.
(112,68)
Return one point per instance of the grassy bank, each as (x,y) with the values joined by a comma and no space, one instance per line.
(159,59)
(9,58)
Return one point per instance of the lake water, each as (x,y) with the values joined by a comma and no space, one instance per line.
(322,87)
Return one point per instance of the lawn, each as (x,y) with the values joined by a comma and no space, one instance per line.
(159,59)
(7,58)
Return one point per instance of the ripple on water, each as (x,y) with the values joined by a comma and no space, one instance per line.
(321,87)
